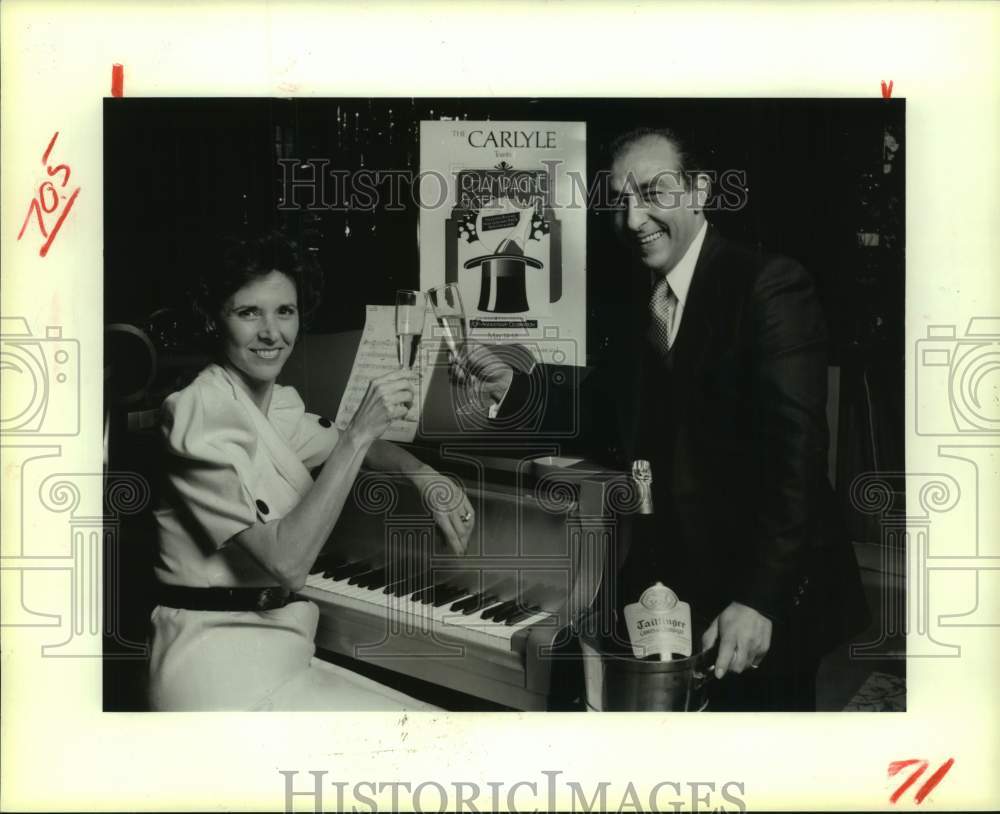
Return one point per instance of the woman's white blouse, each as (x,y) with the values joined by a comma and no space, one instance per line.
(229,468)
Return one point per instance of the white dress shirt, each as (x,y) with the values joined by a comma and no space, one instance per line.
(679,278)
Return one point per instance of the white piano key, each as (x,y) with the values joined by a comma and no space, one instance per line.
(471,628)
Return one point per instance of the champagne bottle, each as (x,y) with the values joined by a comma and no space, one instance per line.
(657,622)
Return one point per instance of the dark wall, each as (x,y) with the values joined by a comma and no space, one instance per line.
(180,172)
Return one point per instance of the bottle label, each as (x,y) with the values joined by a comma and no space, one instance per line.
(659,624)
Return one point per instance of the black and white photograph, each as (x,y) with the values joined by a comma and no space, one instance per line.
(661,513)
(503,406)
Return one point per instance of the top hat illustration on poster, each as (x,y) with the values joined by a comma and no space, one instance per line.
(505,226)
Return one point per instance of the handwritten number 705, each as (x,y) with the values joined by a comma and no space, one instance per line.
(47,200)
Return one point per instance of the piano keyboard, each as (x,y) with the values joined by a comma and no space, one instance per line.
(492,624)
(487,619)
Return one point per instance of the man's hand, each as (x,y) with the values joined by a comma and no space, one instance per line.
(483,371)
(744,638)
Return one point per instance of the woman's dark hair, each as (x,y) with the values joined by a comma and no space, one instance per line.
(236,262)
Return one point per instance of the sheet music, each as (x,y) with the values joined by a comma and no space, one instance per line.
(377,355)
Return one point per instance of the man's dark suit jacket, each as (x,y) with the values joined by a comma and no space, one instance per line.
(734,424)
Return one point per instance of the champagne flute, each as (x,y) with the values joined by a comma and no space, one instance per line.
(446,301)
(411,306)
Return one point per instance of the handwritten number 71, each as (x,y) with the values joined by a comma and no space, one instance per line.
(919,767)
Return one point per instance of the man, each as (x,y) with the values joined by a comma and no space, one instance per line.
(728,359)
(721,382)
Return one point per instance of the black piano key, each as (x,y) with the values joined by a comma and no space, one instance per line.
(326,561)
(502,615)
(347,570)
(377,579)
(390,587)
(466,602)
(448,596)
(409,585)
(484,601)
(498,612)
(441,589)
(373,579)
(369,578)
(355,579)
(431,595)
(395,572)
(423,596)
(398,588)
(419,585)
(520,614)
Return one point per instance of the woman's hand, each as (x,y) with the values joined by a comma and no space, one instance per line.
(450,506)
(388,397)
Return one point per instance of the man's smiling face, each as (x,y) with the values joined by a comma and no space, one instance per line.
(659,214)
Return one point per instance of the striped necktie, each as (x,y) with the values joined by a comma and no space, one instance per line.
(662,306)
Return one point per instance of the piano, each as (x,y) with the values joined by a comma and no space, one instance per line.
(491,623)
(494,622)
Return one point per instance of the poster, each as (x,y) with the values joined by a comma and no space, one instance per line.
(503,217)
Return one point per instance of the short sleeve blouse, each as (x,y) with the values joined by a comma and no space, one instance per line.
(228,467)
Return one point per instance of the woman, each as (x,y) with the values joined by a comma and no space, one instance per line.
(241,511)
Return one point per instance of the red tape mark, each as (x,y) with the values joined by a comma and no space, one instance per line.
(118,80)
(886,89)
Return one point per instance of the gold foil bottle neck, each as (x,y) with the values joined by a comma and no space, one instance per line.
(642,471)
(642,475)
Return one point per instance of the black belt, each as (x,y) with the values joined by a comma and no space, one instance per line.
(225,599)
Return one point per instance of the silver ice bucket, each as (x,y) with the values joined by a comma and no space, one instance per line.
(616,681)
